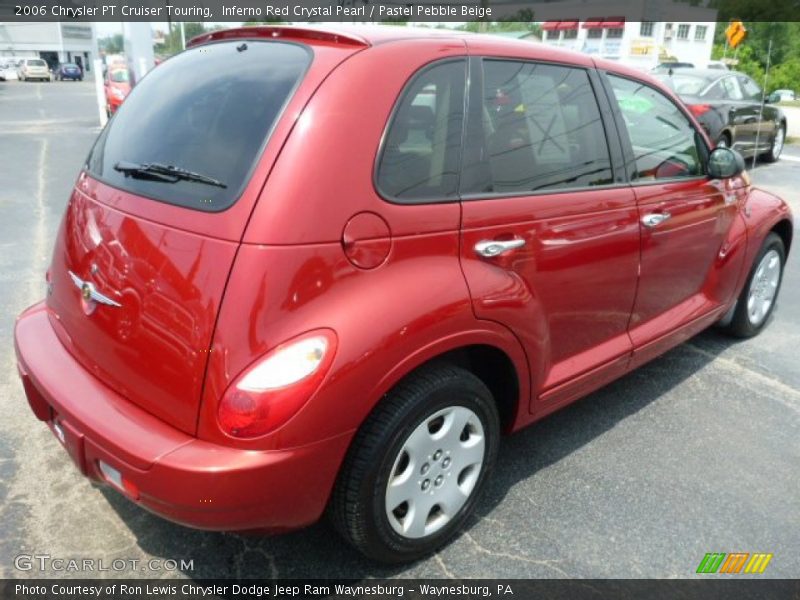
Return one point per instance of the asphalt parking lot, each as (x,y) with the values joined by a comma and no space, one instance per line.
(696,452)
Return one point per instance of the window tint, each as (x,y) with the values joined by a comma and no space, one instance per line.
(208,110)
(421,151)
(36,63)
(715,92)
(664,141)
(538,128)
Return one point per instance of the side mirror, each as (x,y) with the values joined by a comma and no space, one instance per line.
(724,163)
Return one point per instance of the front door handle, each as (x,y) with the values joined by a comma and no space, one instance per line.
(490,248)
(655,219)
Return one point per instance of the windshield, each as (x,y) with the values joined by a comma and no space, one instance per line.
(208,110)
(691,85)
(120,76)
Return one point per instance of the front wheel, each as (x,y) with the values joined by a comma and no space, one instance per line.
(417,465)
(757,300)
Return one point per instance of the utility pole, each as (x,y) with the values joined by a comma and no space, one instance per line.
(763,99)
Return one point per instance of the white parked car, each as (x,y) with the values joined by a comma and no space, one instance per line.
(782,96)
(716,64)
(33,68)
(8,70)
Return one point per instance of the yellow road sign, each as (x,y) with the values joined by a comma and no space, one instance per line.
(735,33)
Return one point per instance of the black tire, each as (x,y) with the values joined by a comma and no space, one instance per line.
(357,506)
(741,326)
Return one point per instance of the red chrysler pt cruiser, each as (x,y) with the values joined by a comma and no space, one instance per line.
(307,270)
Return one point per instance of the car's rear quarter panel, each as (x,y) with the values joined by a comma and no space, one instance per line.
(291,275)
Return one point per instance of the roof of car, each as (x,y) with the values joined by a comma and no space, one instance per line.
(709,74)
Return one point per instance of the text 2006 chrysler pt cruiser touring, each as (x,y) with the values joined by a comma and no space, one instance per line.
(308,270)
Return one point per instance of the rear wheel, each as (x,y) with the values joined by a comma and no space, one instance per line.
(777,145)
(757,300)
(417,465)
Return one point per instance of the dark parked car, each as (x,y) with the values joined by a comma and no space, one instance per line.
(69,71)
(270,300)
(730,107)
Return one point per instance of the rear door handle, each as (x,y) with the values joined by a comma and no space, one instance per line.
(490,248)
(655,219)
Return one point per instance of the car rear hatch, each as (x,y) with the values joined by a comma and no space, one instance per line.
(154,221)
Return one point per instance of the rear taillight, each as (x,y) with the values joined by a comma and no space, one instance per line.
(698,110)
(274,388)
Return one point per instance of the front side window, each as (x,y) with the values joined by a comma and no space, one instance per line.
(420,156)
(209,111)
(664,142)
(539,129)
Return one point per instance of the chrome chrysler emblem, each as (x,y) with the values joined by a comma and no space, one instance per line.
(90,295)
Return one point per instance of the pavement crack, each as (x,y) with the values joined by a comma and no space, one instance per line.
(547,563)
(783,391)
(447,572)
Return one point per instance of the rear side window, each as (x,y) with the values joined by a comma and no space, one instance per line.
(665,143)
(540,128)
(420,157)
(208,111)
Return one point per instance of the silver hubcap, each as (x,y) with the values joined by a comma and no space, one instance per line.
(777,145)
(435,472)
(764,287)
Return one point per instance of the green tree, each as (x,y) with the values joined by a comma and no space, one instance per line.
(522,20)
(172,41)
(111,44)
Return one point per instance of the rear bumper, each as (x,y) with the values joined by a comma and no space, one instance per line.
(174,475)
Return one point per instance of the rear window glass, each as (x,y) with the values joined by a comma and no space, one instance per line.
(207,111)
(686,84)
(119,76)
(36,63)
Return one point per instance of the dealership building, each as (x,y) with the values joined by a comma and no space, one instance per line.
(663,31)
(54,42)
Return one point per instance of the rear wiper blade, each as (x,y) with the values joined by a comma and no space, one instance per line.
(168,173)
